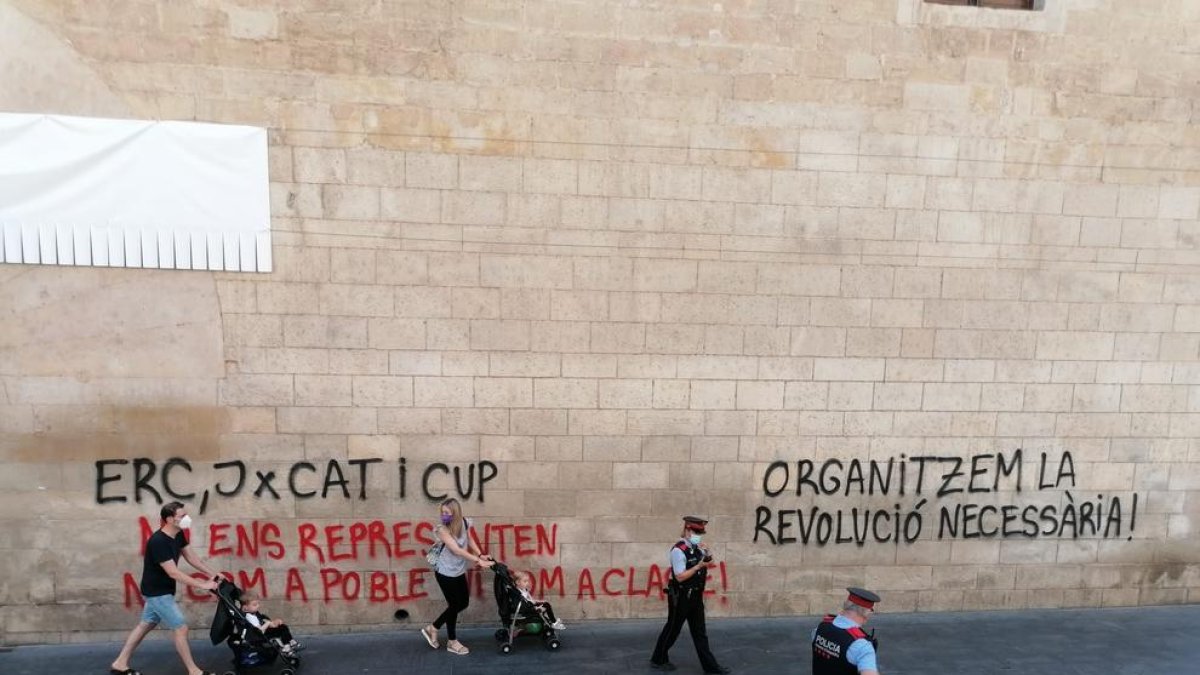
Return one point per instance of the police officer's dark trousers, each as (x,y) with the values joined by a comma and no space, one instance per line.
(685,606)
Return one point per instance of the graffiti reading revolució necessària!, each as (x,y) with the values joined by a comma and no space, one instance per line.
(945,480)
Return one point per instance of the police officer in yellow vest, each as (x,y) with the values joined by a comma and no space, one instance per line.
(839,644)
(685,598)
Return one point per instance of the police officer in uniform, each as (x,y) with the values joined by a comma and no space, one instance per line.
(839,644)
(685,598)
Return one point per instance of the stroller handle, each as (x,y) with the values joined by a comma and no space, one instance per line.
(222,585)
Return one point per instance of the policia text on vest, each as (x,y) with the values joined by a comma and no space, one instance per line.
(839,644)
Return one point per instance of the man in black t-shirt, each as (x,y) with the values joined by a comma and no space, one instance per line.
(160,572)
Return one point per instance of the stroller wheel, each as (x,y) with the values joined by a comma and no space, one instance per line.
(506,649)
(287,671)
(502,635)
(553,644)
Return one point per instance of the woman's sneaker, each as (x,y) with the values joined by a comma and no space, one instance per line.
(558,625)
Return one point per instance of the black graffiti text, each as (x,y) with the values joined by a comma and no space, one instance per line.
(918,475)
(145,479)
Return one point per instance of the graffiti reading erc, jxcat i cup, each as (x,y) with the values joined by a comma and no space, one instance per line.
(143,478)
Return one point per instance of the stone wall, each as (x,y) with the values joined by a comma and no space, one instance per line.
(629,260)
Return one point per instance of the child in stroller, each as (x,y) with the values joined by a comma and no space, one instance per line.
(524,582)
(275,629)
(251,646)
(520,614)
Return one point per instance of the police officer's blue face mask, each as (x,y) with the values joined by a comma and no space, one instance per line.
(695,539)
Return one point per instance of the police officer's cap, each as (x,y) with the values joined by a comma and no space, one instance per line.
(863,597)
(695,523)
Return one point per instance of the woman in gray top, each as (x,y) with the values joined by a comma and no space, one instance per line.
(451,572)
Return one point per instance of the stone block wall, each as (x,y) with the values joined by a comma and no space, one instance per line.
(900,295)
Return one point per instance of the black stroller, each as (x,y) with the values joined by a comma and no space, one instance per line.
(518,616)
(252,651)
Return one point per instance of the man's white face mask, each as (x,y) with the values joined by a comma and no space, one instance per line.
(185,523)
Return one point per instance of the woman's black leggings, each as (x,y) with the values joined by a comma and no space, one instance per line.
(458,596)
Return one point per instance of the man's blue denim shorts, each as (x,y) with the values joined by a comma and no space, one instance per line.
(163,610)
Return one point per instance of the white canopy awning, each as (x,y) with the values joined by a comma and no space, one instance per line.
(127,193)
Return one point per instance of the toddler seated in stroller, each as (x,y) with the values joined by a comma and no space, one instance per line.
(275,630)
(524,583)
(256,641)
(520,613)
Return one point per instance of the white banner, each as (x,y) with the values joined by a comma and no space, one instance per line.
(126,193)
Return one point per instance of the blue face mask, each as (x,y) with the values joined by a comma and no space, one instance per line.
(447,519)
(695,539)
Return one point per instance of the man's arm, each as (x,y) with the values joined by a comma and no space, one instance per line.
(195,561)
(177,574)
(862,655)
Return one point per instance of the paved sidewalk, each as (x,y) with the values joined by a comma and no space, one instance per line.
(1140,641)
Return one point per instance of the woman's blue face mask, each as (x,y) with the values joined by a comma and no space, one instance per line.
(447,519)
(695,539)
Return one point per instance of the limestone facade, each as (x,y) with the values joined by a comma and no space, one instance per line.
(629,260)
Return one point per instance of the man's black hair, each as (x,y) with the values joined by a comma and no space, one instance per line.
(169,509)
